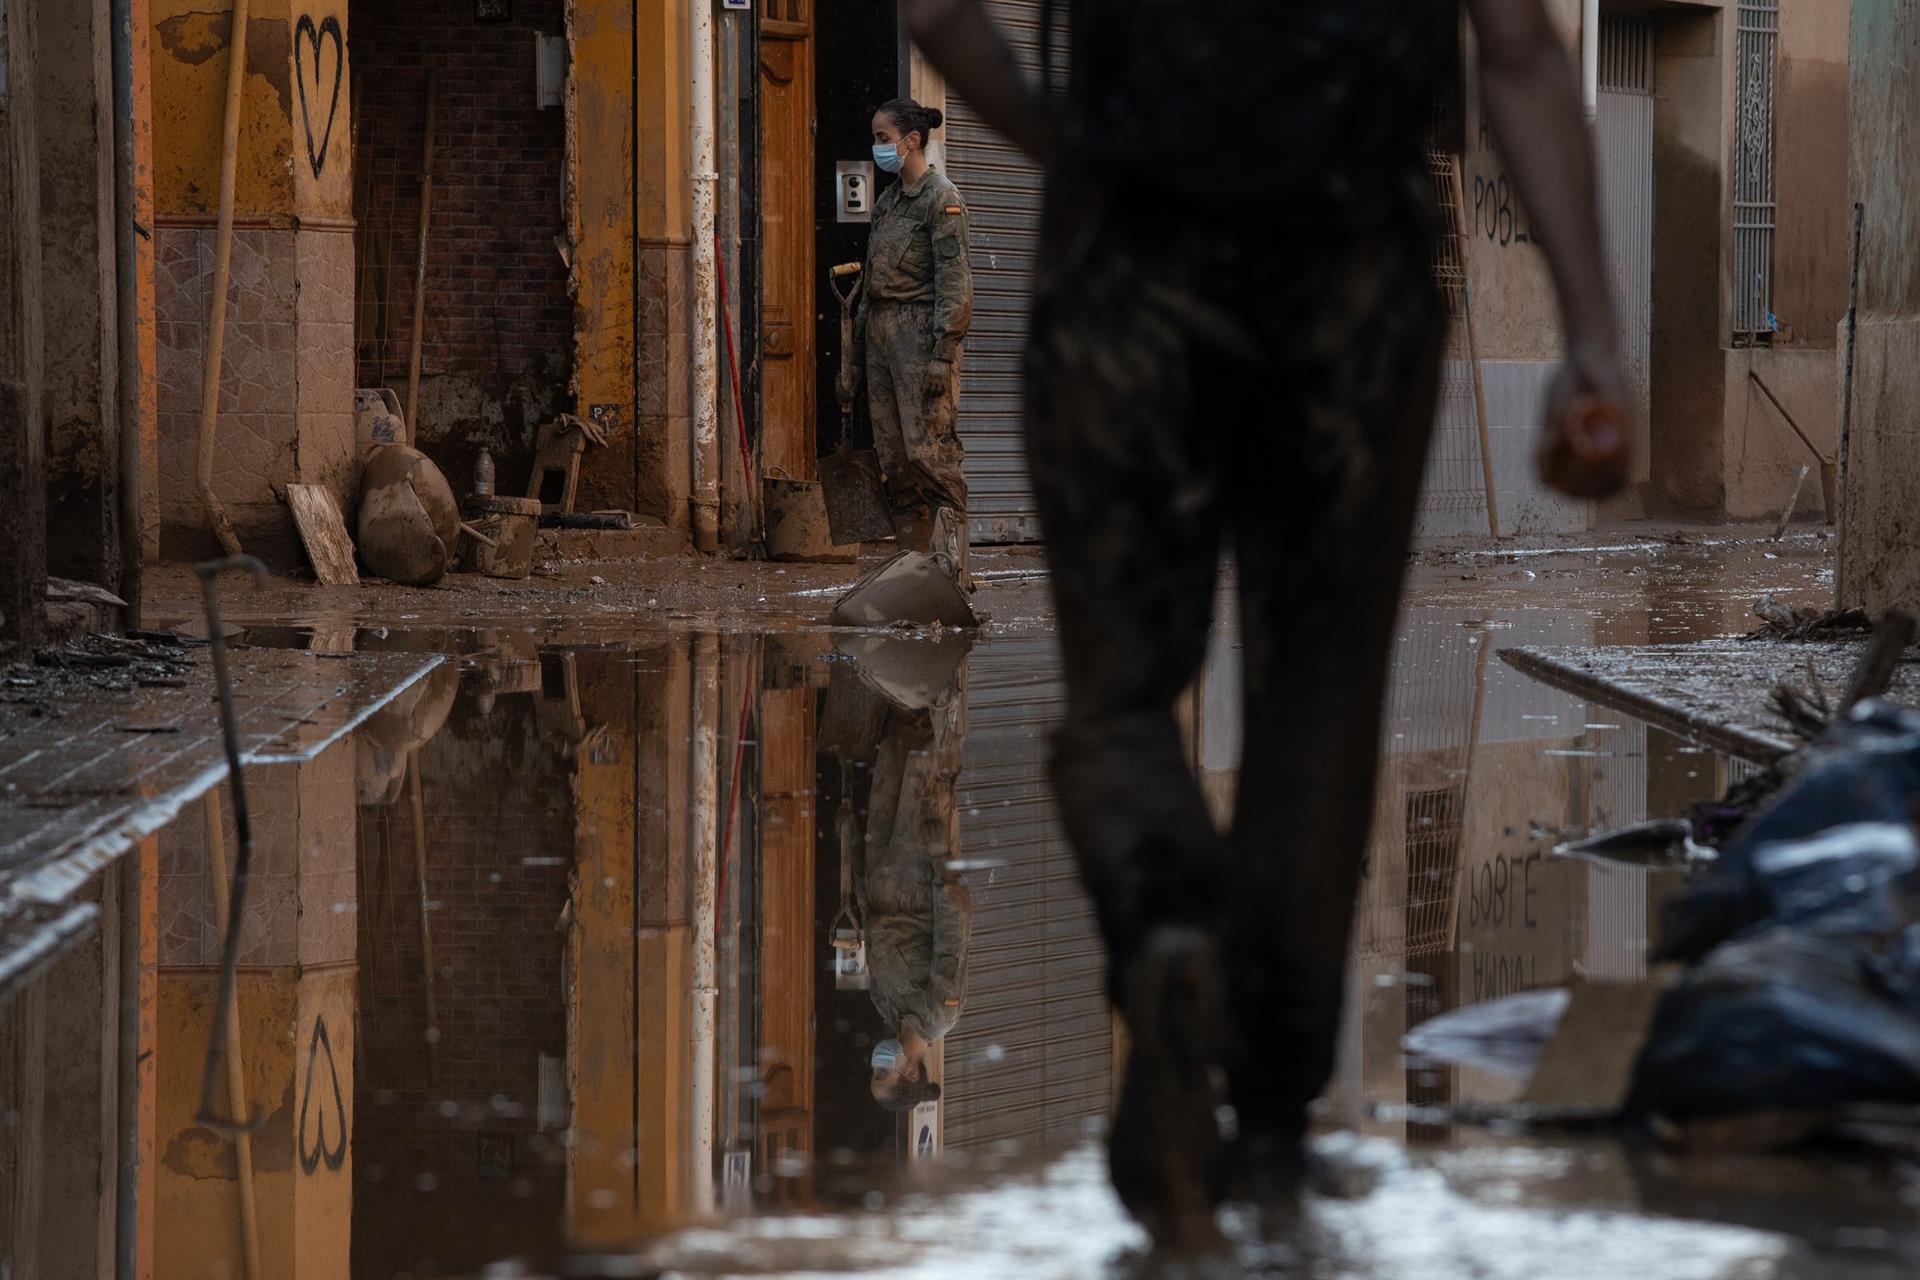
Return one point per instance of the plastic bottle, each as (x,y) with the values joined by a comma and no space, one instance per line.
(483,475)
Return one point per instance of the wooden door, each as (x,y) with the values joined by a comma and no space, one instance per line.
(786,213)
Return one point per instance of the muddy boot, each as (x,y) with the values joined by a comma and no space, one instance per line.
(1166,1152)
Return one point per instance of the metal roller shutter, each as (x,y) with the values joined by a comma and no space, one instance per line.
(1623,142)
(1031,1060)
(1002,190)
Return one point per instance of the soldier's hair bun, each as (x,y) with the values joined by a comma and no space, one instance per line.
(909,116)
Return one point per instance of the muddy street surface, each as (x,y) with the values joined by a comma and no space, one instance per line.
(583,945)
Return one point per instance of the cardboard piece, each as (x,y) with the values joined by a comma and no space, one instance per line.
(1589,1059)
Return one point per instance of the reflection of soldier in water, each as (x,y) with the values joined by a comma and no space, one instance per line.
(913,907)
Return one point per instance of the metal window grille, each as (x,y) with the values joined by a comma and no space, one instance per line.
(1753,202)
(1433,832)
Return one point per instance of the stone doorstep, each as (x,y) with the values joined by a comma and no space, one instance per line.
(648,542)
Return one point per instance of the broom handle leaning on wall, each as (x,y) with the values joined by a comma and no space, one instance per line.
(222,259)
(420,268)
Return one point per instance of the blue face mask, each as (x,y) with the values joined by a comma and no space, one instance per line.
(887,156)
(885,1054)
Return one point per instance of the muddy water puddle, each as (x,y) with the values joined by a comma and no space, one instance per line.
(590,940)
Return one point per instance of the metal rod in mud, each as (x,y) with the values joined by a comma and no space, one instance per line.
(1846,377)
(426,920)
(235,1060)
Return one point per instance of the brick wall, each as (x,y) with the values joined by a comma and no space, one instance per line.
(499,321)
(498,859)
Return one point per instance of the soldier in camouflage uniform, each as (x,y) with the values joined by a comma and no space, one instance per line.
(1234,346)
(912,329)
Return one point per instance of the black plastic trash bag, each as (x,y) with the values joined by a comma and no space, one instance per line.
(1804,991)
(1786,1019)
(1835,851)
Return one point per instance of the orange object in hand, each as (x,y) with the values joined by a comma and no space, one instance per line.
(1591,454)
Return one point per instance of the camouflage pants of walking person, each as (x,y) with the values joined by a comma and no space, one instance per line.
(1198,385)
(915,433)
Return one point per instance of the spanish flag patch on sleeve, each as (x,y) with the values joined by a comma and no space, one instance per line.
(953,209)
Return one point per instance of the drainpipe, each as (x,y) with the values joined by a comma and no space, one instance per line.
(704,834)
(727,222)
(1590,58)
(706,433)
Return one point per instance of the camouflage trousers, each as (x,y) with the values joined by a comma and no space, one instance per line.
(1199,386)
(916,435)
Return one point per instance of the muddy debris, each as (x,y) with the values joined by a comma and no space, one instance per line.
(1781,622)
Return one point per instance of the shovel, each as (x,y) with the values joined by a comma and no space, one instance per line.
(856,501)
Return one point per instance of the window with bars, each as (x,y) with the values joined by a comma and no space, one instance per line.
(1753,200)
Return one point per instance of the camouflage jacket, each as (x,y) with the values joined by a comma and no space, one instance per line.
(917,251)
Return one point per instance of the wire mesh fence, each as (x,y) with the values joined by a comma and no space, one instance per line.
(1453,497)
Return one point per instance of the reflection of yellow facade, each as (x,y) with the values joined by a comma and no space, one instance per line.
(297,1043)
(632,1157)
(297,1008)
(629,954)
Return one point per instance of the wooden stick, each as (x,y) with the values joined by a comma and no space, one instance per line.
(1774,400)
(383,313)
(222,260)
(363,228)
(1874,674)
(477,536)
(420,267)
(1473,356)
(1474,723)
(1786,517)
(426,922)
(236,1066)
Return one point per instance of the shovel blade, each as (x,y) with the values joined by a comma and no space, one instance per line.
(856,501)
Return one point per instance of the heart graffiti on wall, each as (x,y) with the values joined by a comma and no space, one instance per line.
(324,1146)
(315,84)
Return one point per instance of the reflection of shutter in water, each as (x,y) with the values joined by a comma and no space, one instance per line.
(1623,154)
(1031,1060)
(1617,896)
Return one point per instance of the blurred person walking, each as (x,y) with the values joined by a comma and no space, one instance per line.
(1235,346)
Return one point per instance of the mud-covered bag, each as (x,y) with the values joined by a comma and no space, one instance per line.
(1786,1019)
(1834,852)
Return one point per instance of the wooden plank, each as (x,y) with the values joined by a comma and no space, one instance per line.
(1716,692)
(323,530)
